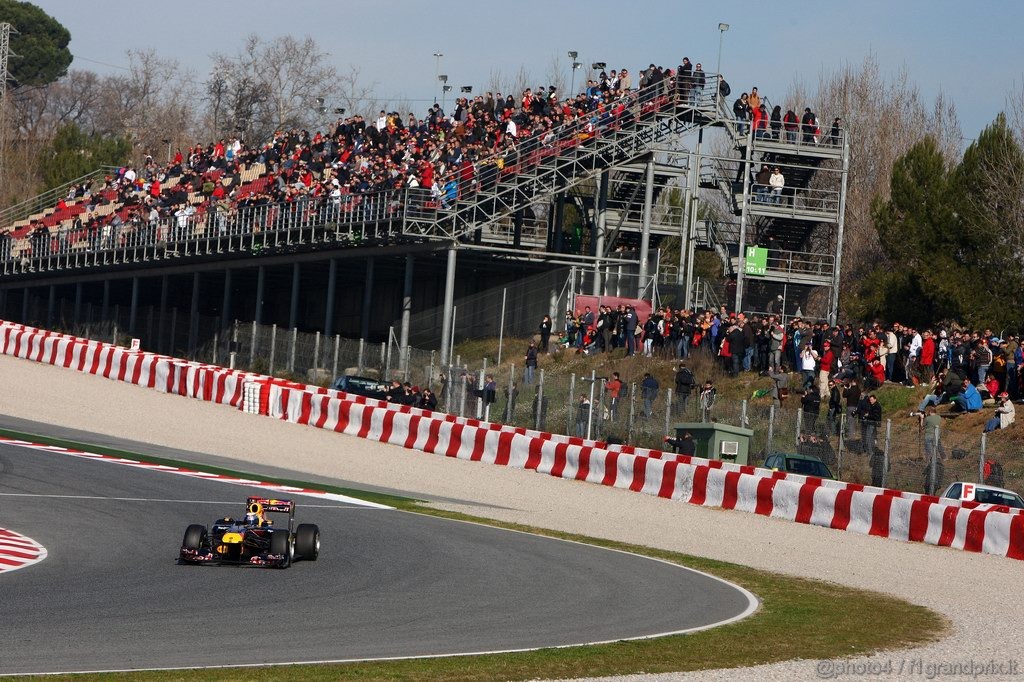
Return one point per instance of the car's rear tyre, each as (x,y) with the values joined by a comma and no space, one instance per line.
(307,541)
(281,543)
(195,537)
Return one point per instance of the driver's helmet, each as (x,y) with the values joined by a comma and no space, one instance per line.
(251,519)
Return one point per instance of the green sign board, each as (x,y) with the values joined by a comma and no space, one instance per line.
(756,261)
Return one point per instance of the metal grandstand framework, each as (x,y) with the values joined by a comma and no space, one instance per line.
(627,172)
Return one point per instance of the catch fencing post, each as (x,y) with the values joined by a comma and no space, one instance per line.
(540,401)
(590,415)
(743,414)
(234,346)
(934,459)
(273,347)
(885,455)
(771,429)
(839,448)
(252,346)
(114,342)
(383,353)
(632,412)
(216,340)
(508,396)
(570,418)
(668,412)
(362,356)
(291,352)
(799,427)
(430,373)
(481,408)
(981,459)
(316,351)
(337,348)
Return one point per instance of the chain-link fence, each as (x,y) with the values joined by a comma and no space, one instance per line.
(907,455)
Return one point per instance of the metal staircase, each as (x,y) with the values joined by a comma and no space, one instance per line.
(799,234)
(578,152)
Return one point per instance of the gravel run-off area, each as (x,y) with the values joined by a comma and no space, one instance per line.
(979,594)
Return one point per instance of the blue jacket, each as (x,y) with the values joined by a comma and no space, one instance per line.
(973,398)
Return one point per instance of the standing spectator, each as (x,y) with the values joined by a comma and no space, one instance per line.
(776,124)
(684,386)
(870,413)
(835,407)
(490,395)
(741,110)
(828,359)
(780,386)
(811,402)
(808,125)
(649,392)
(582,416)
(708,393)
(737,349)
(614,388)
(762,184)
(792,125)
(777,182)
(982,359)
(531,363)
(754,102)
(545,333)
(699,81)
(630,327)
(834,135)
(808,364)
(777,337)
(931,423)
(851,394)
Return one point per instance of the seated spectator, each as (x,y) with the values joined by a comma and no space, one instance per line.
(1004,416)
(968,400)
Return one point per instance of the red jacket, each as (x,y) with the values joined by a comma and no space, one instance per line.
(927,357)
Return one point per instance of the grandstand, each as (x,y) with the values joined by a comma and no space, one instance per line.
(283,231)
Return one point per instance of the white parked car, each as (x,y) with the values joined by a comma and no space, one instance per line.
(983,494)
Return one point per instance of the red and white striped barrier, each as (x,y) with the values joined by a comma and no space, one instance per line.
(832,504)
(18,551)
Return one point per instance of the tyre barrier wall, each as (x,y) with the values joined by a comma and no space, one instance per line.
(832,504)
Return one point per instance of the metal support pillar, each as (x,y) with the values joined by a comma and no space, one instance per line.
(833,311)
(332,285)
(693,183)
(105,309)
(364,327)
(601,207)
(193,317)
(645,236)
(738,306)
(403,341)
(77,314)
(225,304)
(161,347)
(261,276)
(51,304)
(133,310)
(559,207)
(447,313)
(293,309)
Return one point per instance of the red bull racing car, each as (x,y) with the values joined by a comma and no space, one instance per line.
(252,539)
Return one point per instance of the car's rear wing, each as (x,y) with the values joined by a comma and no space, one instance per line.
(270,504)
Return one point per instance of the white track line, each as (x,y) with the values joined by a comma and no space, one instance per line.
(203,475)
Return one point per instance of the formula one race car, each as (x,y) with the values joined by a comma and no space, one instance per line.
(252,539)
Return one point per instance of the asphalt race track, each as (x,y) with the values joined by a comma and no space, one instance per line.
(111,595)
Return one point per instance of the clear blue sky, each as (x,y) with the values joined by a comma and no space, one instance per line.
(972,52)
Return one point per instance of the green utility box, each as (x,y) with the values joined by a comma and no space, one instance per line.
(715,440)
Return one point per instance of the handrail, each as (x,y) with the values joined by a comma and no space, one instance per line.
(48,199)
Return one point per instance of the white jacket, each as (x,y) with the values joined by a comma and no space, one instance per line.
(777,181)
(1007,414)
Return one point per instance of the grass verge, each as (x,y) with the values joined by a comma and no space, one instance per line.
(798,619)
